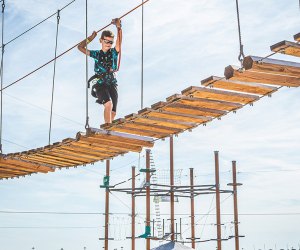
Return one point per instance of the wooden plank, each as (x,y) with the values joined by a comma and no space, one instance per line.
(39,159)
(13,171)
(14,167)
(112,151)
(139,132)
(286,47)
(46,154)
(151,127)
(84,150)
(272,66)
(121,136)
(220,95)
(114,137)
(161,121)
(185,109)
(26,165)
(173,116)
(250,87)
(69,156)
(204,103)
(233,73)
(297,37)
(5,174)
(115,145)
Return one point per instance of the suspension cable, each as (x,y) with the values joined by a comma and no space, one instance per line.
(54,71)
(142,60)
(23,33)
(86,70)
(1,73)
(7,86)
(241,55)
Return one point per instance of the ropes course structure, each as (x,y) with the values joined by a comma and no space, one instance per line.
(172,230)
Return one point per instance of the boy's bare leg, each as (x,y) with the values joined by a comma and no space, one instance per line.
(108,112)
(113,115)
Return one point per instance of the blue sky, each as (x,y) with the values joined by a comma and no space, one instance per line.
(184,42)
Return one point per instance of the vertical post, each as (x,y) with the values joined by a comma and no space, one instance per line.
(106,207)
(236,219)
(163,227)
(148,195)
(180,227)
(133,209)
(218,210)
(192,207)
(171,191)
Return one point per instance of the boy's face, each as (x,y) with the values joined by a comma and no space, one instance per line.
(106,43)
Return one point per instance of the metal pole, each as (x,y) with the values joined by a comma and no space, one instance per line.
(106,207)
(172,185)
(148,195)
(133,210)
(192,207)
(218,210)
(236,219)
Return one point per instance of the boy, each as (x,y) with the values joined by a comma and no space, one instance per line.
(106,63)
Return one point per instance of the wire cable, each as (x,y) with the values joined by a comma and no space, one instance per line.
(86,70)
(63,53)
(241,55)
(38,24)
(53,80)
(142,60)
(1,73)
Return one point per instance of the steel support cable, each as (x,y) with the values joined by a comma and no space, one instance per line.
(86,70)
(7,86)
(241,55)
(142,60)
(38,23)
(53,80)
(1,72)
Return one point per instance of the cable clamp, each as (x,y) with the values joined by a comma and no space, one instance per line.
(58,15)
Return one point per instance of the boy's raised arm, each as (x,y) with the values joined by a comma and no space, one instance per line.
(82,45)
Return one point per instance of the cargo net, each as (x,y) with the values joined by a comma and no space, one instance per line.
(163,176)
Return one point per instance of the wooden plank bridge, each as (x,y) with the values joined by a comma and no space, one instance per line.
(195,105)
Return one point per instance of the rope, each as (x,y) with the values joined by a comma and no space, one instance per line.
(86,71)
(1,73)
(53,81)
(38,24)
(241,55)
(142,59)
(9,85)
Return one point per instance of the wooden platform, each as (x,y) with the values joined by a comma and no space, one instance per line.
(88,148)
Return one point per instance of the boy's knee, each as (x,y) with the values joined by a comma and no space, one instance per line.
(108,104)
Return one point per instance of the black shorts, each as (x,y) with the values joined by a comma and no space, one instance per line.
(106,93)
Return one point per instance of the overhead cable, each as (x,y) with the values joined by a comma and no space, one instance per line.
(23,33)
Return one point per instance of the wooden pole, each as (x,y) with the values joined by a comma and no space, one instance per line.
(236,219)
(218,210)
(106,207)
(192,207)
(172,185)
(148,195)
(133,210)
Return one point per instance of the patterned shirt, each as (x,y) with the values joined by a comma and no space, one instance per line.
(105,64)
